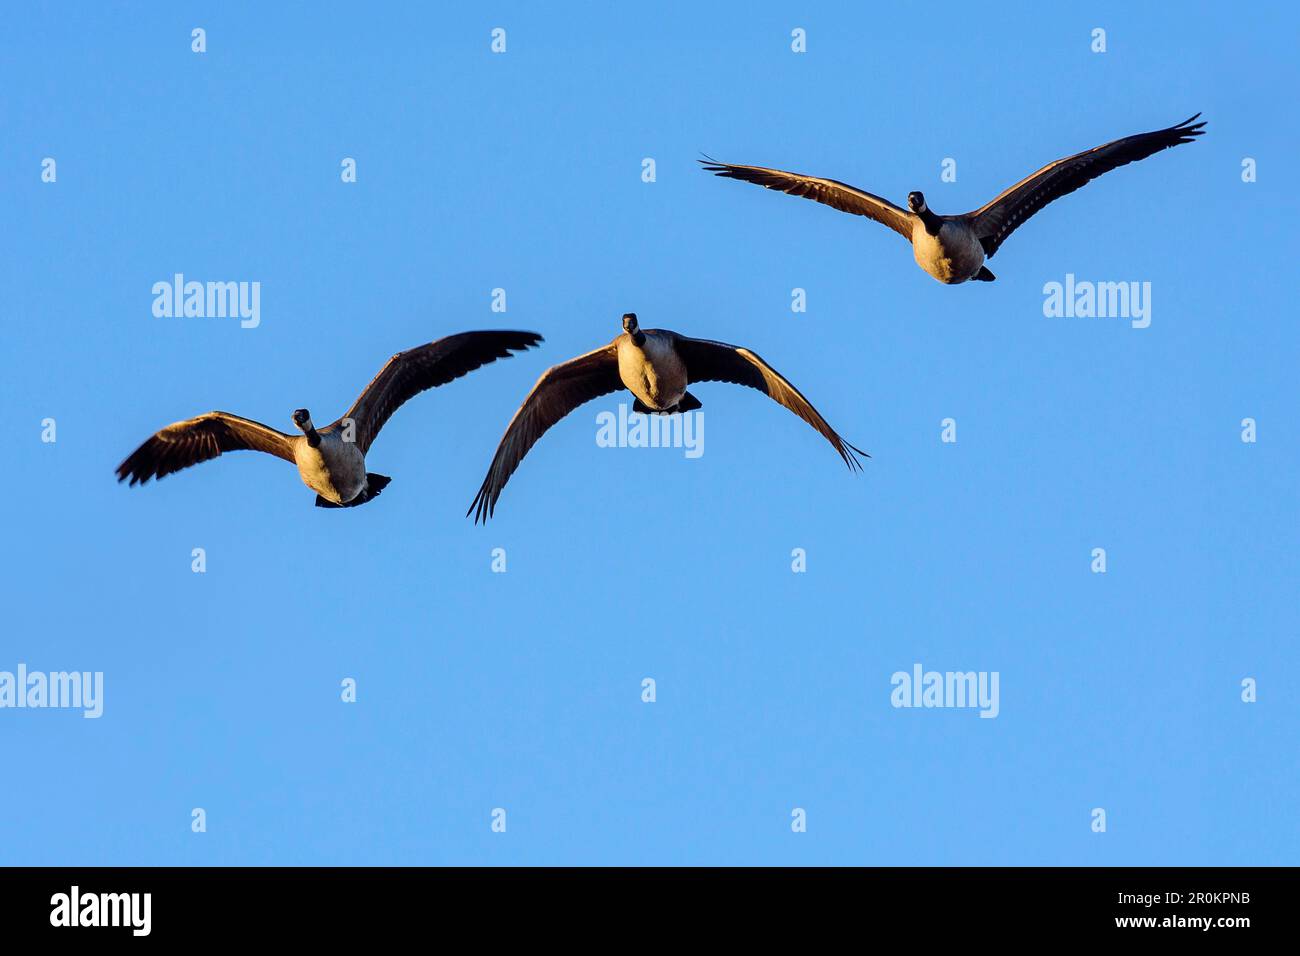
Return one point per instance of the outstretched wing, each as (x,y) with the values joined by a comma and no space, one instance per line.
(717,361)
(996,220)
(831,192)
(186,443)
(409,373)
(559,391)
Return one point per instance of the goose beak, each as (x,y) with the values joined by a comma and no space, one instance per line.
(629,322)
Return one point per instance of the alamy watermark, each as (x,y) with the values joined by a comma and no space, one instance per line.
(1103,300)
(922,688)
(631,429)
(75,689)
(75,908)
(208,300)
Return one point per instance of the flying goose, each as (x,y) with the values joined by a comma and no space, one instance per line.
(953,248)
(656,366)
(331,460)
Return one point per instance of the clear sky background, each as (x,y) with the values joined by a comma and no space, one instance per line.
(522,690)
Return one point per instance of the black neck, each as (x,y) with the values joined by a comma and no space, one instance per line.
(639,338)
(313,438)
(930,221)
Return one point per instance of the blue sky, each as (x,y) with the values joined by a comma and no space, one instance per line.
(522,690)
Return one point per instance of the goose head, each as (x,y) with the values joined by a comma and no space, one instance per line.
(302,418)
(633,328)
(916,203)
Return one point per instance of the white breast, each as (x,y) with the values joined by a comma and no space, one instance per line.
(334,469)
(953,256)
(652,372)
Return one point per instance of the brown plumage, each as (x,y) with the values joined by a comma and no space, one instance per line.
(830,192)
(674,362)
(186,443)
(409,373)
(709,361)
(1000,217)
(331,461)
(953,248)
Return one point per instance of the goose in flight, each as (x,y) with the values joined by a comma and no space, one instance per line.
(656,366)
(331,460)
(953,248)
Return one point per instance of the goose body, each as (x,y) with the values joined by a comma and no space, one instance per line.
(656,366)
(952,249)
(335,469)
(652,370)
(332,460)
(953,255)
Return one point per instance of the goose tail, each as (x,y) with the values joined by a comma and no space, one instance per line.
(374,485)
